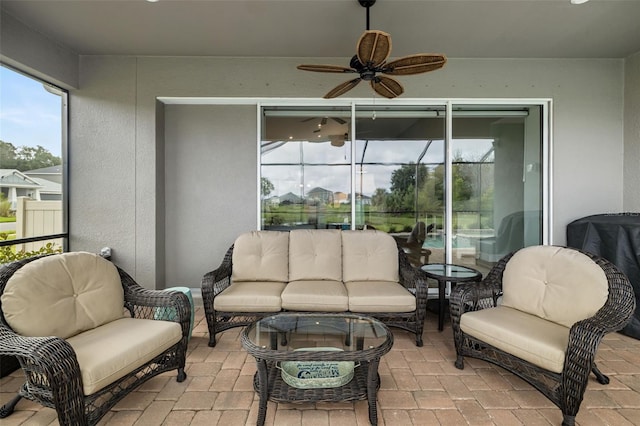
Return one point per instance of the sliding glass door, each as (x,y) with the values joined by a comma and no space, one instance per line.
(496,185)
(463,181)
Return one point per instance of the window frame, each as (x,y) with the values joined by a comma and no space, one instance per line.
(64,154)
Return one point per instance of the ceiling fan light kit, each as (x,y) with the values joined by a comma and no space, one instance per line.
(372,51)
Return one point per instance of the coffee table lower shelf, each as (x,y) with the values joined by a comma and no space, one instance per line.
(279,391)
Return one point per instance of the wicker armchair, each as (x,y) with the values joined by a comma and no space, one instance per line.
(412,244)
(60,370)
(484,320)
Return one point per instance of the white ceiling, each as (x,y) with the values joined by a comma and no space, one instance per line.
(330,28)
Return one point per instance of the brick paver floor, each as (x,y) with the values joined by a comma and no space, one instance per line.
(420,386)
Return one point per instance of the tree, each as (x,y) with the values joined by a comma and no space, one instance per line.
(405,177)
(265,187)
(7,155)
(26,158)
(379,197)
(430,187)
(403,187)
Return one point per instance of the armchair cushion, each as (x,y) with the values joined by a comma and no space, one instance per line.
(107,353)
(369,256)
(78,291)
(538,341)
(541,280)
(261,256)
(379,296)
(315,255)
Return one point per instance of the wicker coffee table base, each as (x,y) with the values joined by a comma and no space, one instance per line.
(364,385)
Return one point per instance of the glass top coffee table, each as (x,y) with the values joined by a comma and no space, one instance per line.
(448,273)
(318,338)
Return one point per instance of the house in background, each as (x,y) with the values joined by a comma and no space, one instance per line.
(14,184)
(51,173)
(152,108)
(320,195)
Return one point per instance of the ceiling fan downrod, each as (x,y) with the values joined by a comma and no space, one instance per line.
(367,4)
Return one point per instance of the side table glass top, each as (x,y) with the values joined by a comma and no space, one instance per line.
(288,332)
(455,272)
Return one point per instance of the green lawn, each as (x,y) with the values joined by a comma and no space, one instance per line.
(295,214)
(7,219)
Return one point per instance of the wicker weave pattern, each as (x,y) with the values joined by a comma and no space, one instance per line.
(565,390)
(214,282)
(52,372)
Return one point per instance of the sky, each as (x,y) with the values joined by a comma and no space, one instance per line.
(29,114)
(282,165)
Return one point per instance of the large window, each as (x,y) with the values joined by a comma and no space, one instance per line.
(466,181)
(33,129)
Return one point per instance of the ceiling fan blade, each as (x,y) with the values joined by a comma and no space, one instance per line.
(323,121)
(338,120)
(342,88)
(325,68)
(415,64)
(387,87)
(373,48)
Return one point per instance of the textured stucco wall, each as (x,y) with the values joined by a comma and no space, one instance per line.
(587,129)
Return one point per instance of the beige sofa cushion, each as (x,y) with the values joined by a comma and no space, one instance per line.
(113,350)
(63,295)
(541,342)
(369,256)
(250,296)
(315,255)
(379,296)
(261,256)
(554,283)
(315,295)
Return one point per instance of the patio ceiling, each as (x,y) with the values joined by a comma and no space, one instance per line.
(330,28)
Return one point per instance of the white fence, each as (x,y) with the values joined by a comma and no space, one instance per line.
(36,218)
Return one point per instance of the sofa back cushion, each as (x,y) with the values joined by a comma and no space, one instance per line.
(261,256)
(63,295)
(315,254)
(555,283)
(369,256)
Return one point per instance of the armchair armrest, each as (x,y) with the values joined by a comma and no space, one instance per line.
(414,280)
(585,335)
(214,282)
(476,296)
(51,369)
(145,303)
(617,311)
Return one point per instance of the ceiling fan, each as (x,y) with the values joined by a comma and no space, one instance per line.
(372,51)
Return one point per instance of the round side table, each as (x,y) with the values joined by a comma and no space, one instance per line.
(448,273)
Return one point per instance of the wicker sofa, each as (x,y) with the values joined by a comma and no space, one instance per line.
(541,313)
(314,271)
(86,334)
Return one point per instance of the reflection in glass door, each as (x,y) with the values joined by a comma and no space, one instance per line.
(496,183)
(305,168)
(399,157)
